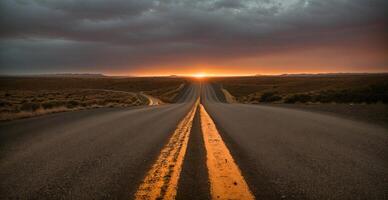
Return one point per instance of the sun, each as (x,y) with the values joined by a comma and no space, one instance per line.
(199,75)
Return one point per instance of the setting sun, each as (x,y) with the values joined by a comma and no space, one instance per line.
(199,75)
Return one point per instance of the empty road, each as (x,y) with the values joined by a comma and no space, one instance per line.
(92,154)
(292,154)
(167,150)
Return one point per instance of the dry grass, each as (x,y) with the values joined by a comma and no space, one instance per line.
(108,83)
(26,97)
(167,94)
(24,103)
(315,89)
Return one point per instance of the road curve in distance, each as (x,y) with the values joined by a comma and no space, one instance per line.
(92,154)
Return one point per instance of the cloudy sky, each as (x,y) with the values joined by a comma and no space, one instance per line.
(155,37)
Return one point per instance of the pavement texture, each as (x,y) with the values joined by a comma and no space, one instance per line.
(95,154)
(193,181)
(293,154)
(105,153)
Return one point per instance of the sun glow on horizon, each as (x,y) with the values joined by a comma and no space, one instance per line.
(200,75)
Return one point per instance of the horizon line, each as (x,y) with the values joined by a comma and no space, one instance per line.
(188,75)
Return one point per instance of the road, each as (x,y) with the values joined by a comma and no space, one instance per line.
(152,101)
(59,156)
(110,153)
(303,155)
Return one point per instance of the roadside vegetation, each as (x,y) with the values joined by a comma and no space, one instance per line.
(167,94)
(357,89)
(30,96)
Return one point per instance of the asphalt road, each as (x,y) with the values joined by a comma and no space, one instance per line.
(292,154)
(95,154)
(105,153)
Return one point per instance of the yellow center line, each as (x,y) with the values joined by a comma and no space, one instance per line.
(226,181)
(161,181)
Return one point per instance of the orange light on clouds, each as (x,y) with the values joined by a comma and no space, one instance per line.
(324,59)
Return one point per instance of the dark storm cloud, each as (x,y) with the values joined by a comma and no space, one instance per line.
(50,35)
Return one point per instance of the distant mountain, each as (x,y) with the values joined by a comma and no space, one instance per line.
(329,74)
(75,75)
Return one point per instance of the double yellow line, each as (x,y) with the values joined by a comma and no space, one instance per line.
(226,181)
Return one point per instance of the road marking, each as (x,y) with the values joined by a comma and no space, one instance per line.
(226,181)
(161,181)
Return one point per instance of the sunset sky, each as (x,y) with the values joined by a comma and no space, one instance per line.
(213,37)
